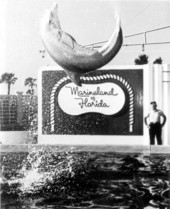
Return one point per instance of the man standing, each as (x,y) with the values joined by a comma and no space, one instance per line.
(155,125)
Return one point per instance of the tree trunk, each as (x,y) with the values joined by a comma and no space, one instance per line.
(9,88)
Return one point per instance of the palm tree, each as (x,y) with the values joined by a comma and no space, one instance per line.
(30,82)
(9,79)
(158,61)
(141,60)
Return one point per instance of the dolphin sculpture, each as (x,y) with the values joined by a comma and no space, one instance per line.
(71,56)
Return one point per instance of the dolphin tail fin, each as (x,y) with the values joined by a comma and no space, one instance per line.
(74,76)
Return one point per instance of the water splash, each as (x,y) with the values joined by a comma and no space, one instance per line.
(50,173)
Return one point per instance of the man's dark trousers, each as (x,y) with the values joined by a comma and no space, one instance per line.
(155,131)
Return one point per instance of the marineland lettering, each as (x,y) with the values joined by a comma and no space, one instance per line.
(87,92)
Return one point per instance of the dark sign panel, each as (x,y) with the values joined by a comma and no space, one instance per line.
(109,102)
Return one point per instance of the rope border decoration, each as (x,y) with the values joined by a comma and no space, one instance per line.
(95,78)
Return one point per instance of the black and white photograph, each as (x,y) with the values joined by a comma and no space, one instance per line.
(84,104)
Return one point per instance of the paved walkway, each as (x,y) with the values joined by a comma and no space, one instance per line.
(15,137)
(139,149)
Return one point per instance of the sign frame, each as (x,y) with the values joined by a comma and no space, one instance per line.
(98,139)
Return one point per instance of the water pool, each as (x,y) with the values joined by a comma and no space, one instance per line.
(47,178)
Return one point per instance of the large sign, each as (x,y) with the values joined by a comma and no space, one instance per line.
(109,102)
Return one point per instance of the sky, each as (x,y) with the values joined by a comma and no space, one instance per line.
(88,21)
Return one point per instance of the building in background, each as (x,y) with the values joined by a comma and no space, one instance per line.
(17,111)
